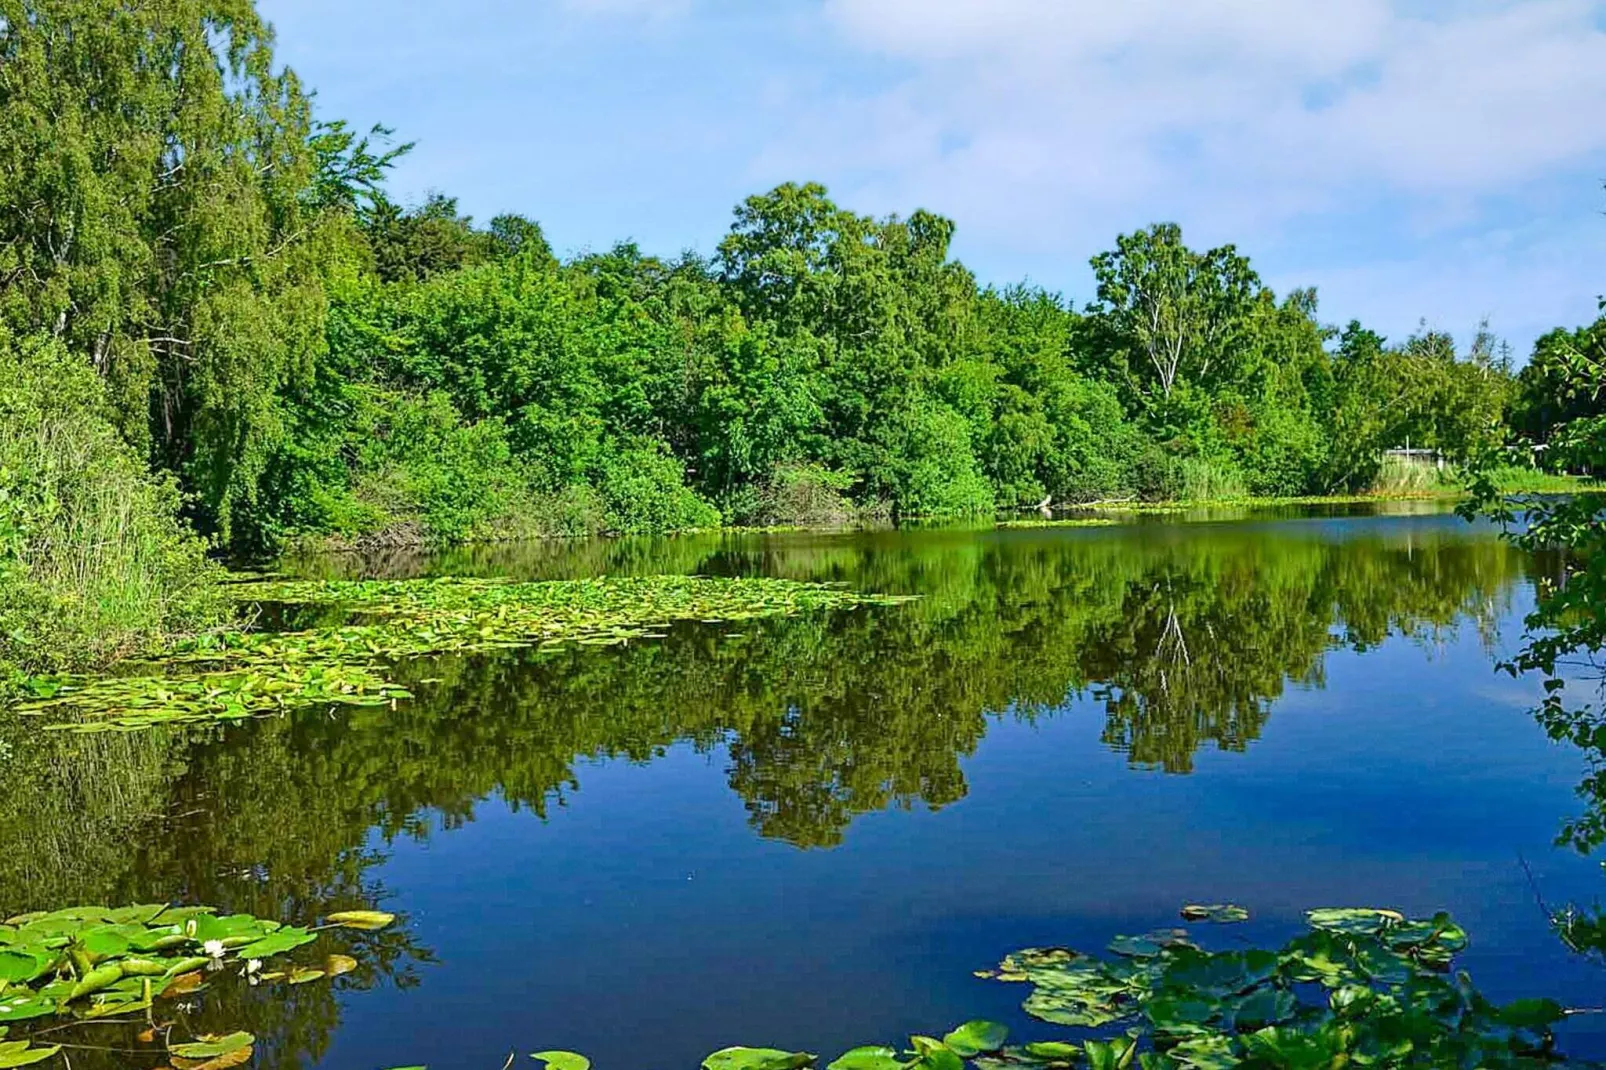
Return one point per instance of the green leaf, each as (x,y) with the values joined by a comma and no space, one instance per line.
(211,1047)
(1150,944)
(940,1058)
(204,928)
(1181,1014)
(1264,1006)
(757,1059)
(20,1053)
(974,1038)
(1220,913)
(287,939)
(1053,1051)
(1115,1054)
(19,965)
(1206,1053)
(366,920)
(1532,1013)
(871,1058)
(95,980)
(563,1060)
(24,1005)
(1355,921)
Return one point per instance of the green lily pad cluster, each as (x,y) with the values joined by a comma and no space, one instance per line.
(99,963)
(1061,522)
(237,675)
(1363,987)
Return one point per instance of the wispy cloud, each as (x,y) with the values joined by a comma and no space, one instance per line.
(1435,158)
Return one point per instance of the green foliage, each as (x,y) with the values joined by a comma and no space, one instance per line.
(154,169)
(644,492)
(1363,986)
(92,965)
(313,361)
(94,560)
(801,494)
(1172,317)
(1566,632)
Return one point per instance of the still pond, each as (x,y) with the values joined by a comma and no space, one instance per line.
(808,832)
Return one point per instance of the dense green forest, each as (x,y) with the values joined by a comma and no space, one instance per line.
(218,331)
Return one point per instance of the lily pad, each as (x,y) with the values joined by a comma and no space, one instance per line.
(562,1060)
(1219,913)
(1355,921)
(366,920)
(16,1053)
(286,939)
(17,964)
(867,1058)
(1150,944)
(974,1038)
(210,1047)
(757,1059)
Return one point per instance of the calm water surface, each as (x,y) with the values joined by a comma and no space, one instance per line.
(808,833)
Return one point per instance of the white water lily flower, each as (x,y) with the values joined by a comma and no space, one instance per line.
(213,948)
(253,965)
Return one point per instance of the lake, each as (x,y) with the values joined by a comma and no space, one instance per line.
(809,832)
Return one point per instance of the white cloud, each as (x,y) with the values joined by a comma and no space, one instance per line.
(1269,108)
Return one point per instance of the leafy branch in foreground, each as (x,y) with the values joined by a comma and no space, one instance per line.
(1565,634)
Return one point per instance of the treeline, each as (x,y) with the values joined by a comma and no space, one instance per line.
(235,303)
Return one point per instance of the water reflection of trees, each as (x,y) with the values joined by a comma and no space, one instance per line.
(1186,638)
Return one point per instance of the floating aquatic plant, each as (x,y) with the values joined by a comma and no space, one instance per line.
(1062,522)
(98,964)
(1362,988)
(237,675)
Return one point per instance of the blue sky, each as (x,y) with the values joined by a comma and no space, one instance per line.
(1437,159)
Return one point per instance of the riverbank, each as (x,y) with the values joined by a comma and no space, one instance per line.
(93,652)
(416,538)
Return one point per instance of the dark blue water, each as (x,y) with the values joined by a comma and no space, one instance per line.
(810,835)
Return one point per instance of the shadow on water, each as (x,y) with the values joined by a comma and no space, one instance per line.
(1184,638)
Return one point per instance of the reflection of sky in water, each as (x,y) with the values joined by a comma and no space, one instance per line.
(643,921)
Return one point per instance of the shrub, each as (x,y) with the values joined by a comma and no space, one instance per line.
(931,465)
(95,561)
(644,492)
(806,494)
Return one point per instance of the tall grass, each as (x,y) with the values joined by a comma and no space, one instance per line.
(95,561)
(1201,479)
(1397,476)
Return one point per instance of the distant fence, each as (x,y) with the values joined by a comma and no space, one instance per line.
(1418,457)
